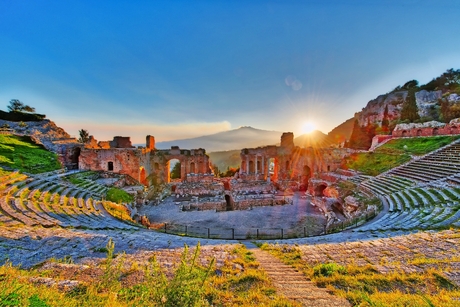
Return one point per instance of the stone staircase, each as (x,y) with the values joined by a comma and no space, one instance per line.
(294,285)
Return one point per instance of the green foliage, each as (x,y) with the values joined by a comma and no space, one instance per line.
(225,159)
(21,153)
(35,301)
(328,269)
(84,136)
(409,108)
(176,171)
(17,116)
(16,105)
(119,196)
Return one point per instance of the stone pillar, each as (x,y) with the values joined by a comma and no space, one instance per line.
(247,165)
(263,164)
(255,163)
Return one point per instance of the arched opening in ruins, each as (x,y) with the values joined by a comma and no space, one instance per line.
(74,157)
(287,166)
(110,166)
(272,169)
(404,133)
(306,175)
(419,132)
(228,201)
(192,168)
(156,167)
(142,176)
(259,166)
(319,190)
(251,167)
(435,131)
(174,170)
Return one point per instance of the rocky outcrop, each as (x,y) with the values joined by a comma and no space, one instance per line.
(426,101)
(375,108)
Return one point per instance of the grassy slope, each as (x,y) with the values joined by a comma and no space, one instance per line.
(394,153)
(365,286)
(21,153)
(239,282)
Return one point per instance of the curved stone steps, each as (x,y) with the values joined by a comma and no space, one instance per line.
(421,200)
(294,284)
(449,221)
(43,217)
(7,205)
(63,222)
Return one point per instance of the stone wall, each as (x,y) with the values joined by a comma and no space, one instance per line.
(148,165)
(432,128)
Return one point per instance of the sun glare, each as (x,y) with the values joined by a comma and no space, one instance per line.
(308,127)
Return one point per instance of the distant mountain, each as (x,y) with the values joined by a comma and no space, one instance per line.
(243,137)
(313,139)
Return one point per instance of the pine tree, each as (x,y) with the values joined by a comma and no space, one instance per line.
(409,109)
(385,121)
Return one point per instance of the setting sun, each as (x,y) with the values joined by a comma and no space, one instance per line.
(308,127)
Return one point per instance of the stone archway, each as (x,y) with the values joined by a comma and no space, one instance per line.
(435,131)
(74,158)
(319,189)
(404,133)
(110,166)
(229,203)
(419,132)
(142,176)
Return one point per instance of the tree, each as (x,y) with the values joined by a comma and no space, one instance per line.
(409,108)
(385,121)
(359,138)
(84,136)
(175,173)
(18,106)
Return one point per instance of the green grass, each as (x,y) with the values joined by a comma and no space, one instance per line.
(416,146)
(119,196)
(365,286)
(374,163)
(21,153)
(394,153)
(238,282)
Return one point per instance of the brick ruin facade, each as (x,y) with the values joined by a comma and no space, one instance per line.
(263,172)
(432,128)
(288,165)
(147,164)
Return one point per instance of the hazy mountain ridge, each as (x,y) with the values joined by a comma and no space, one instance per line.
(243,137)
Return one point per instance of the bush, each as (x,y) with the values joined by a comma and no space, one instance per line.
(119,196)
(328,269)
(16,116)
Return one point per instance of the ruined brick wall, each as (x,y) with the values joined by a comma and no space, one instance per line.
(432,128)
(121,142)
(123,161)
(289,162)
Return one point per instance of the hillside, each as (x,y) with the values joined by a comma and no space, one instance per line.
(341,133)
(243,137)
(21,153)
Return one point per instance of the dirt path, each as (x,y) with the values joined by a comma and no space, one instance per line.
(294,284)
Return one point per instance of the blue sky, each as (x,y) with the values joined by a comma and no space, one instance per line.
(178,69)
